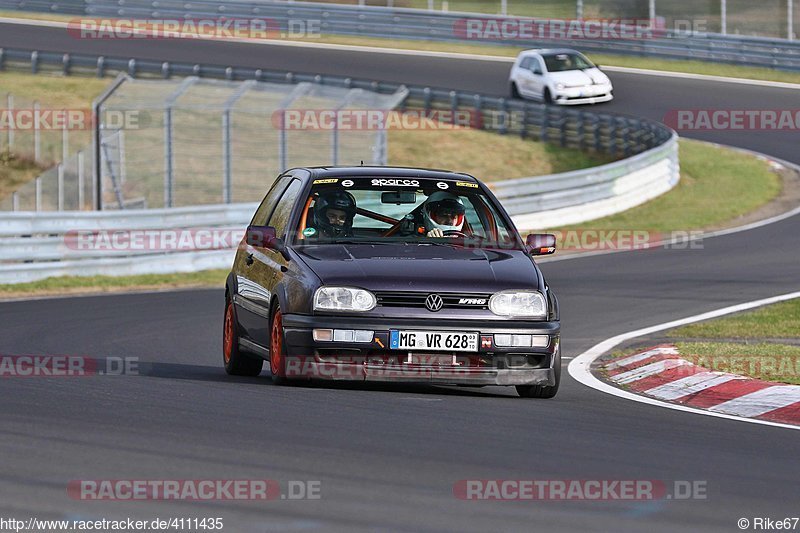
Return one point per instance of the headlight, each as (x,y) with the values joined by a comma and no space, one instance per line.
(560,86)
(527,304)
(343,299)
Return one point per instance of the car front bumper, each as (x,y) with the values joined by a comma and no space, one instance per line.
(375,361)
(584,95)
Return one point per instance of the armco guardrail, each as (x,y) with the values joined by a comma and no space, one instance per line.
(407,23)
(651,168)
(133,242)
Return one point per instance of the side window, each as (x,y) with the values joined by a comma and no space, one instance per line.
(280,217)
(536,66)
(266,207)
(526,63)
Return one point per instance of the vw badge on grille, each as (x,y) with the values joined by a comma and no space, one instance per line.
(434,302)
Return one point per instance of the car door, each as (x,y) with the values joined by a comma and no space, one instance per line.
(252,298)
(537,84)
(268,265)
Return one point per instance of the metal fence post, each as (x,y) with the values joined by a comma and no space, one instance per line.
(168,156)
(37,137)
(60,171)
(227,154)
(123,167)
(64,142)
(38,184)
(80,180)
(790,19)
(10,107)
(579,10)
(97,132)
(14,201)
(723,13)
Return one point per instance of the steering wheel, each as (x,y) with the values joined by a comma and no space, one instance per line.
(455,233)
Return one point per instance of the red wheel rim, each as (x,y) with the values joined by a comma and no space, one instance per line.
(227,334)
(276,348)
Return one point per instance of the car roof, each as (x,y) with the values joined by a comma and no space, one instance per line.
(543,51)
(410,172)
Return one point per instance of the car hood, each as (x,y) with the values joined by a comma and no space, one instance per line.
(417,267)
(573,78)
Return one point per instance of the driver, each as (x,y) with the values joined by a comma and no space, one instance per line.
(442,212)
(333,214)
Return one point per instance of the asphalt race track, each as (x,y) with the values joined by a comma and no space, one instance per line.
(388,456)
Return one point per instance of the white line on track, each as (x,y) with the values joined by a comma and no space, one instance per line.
(429,53)
(580,367)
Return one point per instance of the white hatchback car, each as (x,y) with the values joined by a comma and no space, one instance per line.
(559,76)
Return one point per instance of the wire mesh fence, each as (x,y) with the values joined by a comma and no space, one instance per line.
(169,143)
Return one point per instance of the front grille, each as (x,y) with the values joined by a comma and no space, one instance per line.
(452,300)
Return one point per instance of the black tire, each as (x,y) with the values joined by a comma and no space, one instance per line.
(548,98)
(277,347)
(514,91)
(543,391)
(236,362)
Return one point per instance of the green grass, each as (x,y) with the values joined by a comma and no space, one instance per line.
(79,284)
(781,320)
(717,185)
(771,362)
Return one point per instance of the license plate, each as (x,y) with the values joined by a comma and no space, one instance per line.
(450,341)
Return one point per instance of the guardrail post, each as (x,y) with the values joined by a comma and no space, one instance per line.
(14,201)
(478,112)
(503,129)
(426,92)
(581,130)
(790,19)
(101,67)
(37,135)
(544,135)
(80,180)
(65,63)
(34,62)
(60,171)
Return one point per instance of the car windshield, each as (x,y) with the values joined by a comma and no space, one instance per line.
(566,61)
(402,210)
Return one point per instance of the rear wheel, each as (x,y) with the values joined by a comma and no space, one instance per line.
(543,391)
(277,348)
(236,363)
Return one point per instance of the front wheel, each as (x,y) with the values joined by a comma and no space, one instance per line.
(236,363)
(514,91)
(543,391)
(548,98)
(277,348)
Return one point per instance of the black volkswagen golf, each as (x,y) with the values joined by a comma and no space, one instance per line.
(391,274)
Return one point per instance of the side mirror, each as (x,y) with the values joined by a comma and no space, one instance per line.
(541,243)
(266,237)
